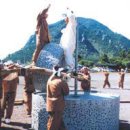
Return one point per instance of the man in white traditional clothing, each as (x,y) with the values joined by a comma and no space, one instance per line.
(68,38)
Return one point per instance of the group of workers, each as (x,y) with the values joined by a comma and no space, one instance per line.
(121,79)
(57,87)
(9,79)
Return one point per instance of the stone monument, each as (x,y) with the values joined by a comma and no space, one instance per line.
(86,111)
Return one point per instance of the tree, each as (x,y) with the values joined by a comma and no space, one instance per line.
(86,63)
(123,53)
(104,58)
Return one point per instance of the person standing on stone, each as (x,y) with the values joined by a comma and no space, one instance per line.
(28,90)
(57,88)
(121,79)
(9,85)
(42,33)
(86,82)
(106,80)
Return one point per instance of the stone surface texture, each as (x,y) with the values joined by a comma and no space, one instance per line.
(52,54)
(89,111)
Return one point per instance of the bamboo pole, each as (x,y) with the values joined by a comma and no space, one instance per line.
(8,71)
(35,69)
(40,70)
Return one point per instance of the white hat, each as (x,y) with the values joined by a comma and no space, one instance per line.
(57,71)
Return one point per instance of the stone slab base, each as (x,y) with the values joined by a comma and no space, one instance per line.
(89,111)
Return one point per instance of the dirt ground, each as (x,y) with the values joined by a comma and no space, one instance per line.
(20,120)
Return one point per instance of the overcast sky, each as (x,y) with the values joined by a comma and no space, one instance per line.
(18,17)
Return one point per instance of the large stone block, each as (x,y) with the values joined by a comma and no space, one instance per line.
(52,54)
(90,111)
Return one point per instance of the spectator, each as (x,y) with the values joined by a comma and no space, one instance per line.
(106,80)
(121,79)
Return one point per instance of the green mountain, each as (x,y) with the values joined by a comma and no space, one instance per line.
(94,39)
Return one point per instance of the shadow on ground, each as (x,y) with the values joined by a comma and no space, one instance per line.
(7,128)
(124,125)
(16,124)
(20,124)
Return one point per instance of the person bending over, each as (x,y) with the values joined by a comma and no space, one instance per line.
(57,88)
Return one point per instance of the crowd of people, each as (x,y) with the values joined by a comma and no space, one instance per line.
(9,79)
(57,88)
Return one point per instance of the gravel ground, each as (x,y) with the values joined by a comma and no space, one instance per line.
(20,120)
